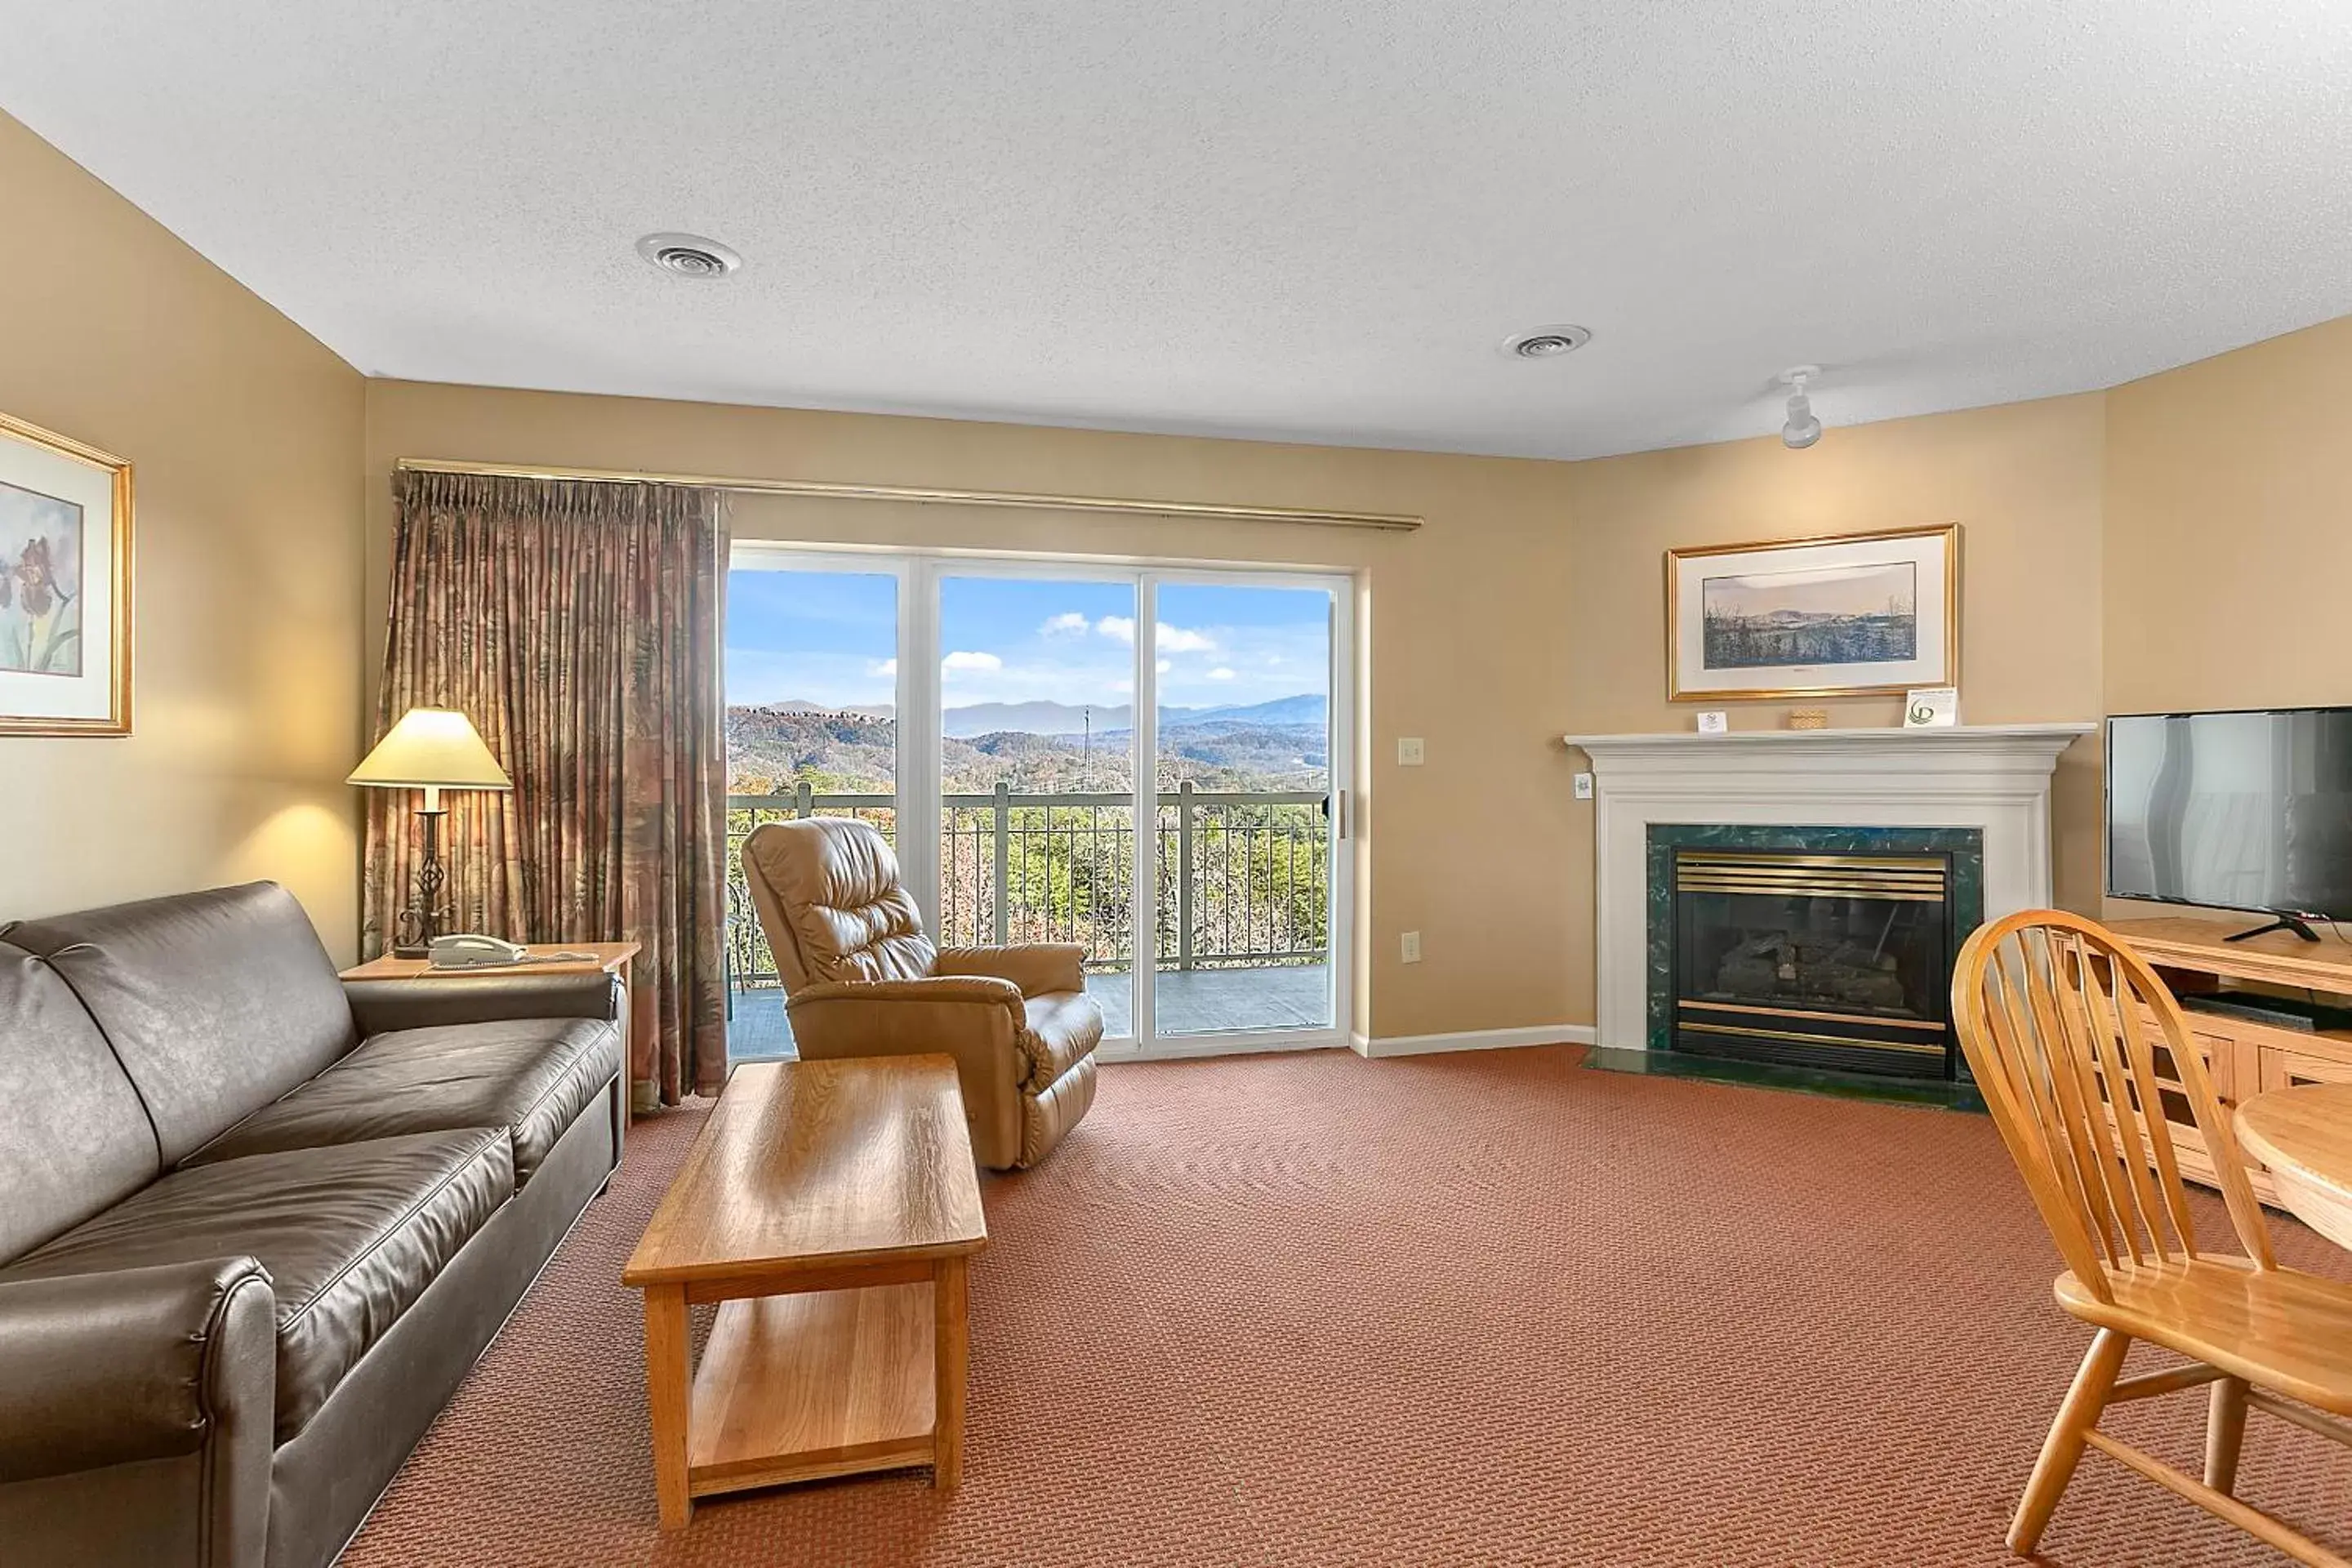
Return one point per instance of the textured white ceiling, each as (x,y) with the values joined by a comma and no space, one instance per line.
(1310,222)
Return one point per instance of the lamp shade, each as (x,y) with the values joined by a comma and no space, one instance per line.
(432,749)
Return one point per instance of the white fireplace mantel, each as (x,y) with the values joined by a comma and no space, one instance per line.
(1992,777)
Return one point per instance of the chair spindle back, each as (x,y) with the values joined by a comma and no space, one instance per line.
(2077,1046)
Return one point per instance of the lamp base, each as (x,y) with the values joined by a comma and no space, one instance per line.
(427,915)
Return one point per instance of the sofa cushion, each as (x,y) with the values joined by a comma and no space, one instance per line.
(532,1076)
(77,1140)
(1058,1029)
(351,1236)
(214,1002)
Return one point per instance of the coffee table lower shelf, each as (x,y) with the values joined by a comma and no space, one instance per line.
(826,1383)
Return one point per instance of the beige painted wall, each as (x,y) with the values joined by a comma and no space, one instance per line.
(1477,849)
(243,434)
(2023,481)
(2228,533)
(2229,575)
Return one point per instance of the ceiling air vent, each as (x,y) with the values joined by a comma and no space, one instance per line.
(1546,342)
(689,255)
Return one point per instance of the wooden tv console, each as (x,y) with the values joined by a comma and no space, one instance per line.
(2243,1056)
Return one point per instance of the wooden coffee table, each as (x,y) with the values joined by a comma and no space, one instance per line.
(832,1206)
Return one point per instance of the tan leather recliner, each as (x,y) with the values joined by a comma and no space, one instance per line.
(862,979)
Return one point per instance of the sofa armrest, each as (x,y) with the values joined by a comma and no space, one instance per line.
(380,1007)
(1039,968)
(141,1363)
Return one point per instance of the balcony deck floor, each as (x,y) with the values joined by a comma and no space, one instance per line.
(1191,1002)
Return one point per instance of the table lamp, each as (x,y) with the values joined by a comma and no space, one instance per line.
(431,749)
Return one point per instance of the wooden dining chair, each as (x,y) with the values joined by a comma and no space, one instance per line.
(2079,1051)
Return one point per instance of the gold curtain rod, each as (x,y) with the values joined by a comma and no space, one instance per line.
(1390,522)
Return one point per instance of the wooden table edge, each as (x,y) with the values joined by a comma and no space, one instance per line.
(772,1271)
(2251,1138)
(608,958)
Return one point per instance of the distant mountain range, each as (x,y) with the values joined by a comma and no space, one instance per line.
(1252,746)
(1068,719)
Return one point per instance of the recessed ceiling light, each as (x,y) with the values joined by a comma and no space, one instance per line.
(1546,342)
(689,255)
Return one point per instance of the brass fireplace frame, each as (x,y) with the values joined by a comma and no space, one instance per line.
(1859,1038)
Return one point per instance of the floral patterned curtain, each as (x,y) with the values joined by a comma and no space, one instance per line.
(576,623)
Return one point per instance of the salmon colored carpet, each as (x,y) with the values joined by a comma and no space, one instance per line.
(1490,1308)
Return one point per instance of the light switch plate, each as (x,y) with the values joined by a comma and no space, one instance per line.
(1584,786)
(1408,751)
(1412,945)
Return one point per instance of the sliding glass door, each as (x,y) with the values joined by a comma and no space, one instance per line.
(1037,746)
(1025,718)
(1247,840)
(813,651)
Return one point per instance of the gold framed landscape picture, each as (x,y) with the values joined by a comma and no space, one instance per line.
(65,586)
(1861,615)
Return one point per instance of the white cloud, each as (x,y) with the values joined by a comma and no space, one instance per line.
(1164,665)
(1068,624)
(1165,638)
(883,668)
(961,660)
(1221,673)
(1178,639)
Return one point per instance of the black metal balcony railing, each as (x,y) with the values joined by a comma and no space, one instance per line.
(1244,875)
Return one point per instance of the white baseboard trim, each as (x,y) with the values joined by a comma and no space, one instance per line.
(1476,1040)
(1236,1045)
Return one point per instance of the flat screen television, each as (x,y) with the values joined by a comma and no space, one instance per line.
(2246,810)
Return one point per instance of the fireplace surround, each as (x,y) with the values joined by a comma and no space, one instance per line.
(1992,778)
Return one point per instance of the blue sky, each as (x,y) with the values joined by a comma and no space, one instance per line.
(832,638)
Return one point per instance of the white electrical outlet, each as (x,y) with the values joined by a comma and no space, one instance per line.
(1408,751)
(1411,945)
(1584,786)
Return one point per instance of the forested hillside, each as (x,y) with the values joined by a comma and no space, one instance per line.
(771,750)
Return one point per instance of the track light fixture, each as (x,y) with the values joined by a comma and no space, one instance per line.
(1803,429)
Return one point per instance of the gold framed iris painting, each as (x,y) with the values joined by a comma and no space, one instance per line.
(1861,615)
(65,586)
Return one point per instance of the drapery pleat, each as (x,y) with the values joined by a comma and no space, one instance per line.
(576,623)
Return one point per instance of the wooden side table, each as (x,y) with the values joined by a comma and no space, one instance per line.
(607,957)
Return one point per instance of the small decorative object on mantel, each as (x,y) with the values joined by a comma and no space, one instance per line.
(1932,708)
(1864,614)
(65,586)
(1809,717)
(1714,722)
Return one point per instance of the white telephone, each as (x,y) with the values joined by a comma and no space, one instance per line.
(473,951)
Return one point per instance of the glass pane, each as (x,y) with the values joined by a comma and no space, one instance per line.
(1245,779)
(812,729)
(1038,772)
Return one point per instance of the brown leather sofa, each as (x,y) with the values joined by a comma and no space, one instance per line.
(864,981)
(255,1223)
